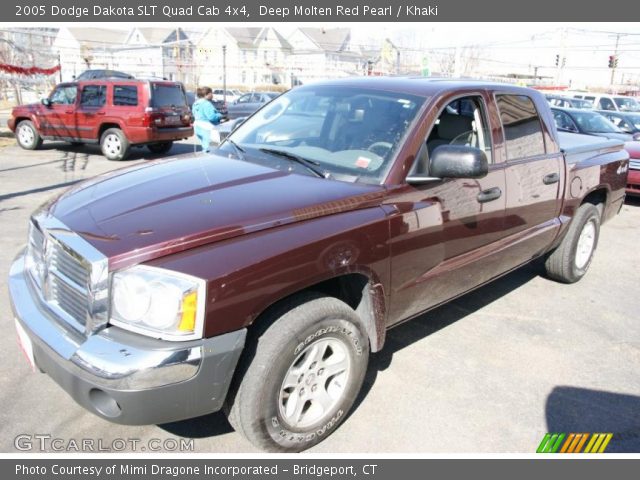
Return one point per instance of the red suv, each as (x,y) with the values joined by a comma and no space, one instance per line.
(116,113)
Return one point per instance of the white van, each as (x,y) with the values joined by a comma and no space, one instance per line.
(617,103)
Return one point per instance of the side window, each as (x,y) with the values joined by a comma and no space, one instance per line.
(64,95)
(462,122)
(245,98)
(591,99)
(606,104)
(522,127)
(125,95)
(564,122)
(93,96)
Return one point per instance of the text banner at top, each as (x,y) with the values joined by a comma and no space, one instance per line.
(316,11)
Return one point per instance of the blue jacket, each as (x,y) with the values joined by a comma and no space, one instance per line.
(204,110)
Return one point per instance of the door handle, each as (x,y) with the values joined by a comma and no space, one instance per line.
(68,112)
(551,179)
(99,113)
(489,195)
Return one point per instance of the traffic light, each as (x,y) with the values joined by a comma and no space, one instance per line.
(564,61)
(612,61)
(615,61)
(557,60)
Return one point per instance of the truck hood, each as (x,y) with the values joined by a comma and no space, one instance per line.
(159,208)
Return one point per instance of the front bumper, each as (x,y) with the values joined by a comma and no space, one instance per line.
(633,182)
(122,376)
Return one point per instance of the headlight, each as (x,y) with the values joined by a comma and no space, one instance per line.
(157,302)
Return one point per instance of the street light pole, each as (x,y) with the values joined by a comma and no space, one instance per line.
(224,74)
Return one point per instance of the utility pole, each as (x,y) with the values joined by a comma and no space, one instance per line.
(60,65)
(224,74)
(179,54)
(615,58)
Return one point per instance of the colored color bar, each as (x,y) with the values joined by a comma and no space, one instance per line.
(605,443)
(565,447)
(584,439)
(594,437)
(574,444)
(558,442)
(543,443)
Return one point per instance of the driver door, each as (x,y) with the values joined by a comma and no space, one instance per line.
(444,230)
(58,118)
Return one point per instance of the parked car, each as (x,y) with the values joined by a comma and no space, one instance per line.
(219,105)
(616,103)
(262,278)
(633,178)
(249,103)
(116,114)
(628,122)
(230,96)
(588,123)
(568,102)
(102,74)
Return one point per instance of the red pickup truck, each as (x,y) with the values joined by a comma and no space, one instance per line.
(259,279)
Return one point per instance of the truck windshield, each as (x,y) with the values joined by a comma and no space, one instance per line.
(627,104)
(350,133)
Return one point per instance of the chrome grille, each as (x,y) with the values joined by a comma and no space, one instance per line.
(70,275)
(634,164)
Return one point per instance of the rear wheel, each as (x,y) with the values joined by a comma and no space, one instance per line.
(570,261)
(303,377)
(159,148)
(27,135)
(114,144)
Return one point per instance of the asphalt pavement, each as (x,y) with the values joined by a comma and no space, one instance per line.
(491,372)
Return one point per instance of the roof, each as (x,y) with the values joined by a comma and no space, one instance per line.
(250,37)
(158,35)
(94,35)
(329,39)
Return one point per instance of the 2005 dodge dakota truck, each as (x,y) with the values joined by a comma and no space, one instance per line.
(260,278)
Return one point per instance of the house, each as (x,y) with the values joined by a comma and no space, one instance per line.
(321,53)
(83,48)
(252,56)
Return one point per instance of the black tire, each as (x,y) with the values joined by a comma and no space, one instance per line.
(160,148)
(302,337)
(114,144)
(570,261)
(27,135)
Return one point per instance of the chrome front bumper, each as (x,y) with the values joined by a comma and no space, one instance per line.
(122,376)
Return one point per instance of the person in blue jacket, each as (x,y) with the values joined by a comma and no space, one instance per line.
(205,117)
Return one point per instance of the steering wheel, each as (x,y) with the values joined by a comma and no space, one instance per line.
(380,148)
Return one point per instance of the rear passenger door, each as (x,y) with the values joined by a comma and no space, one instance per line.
(91,110)
(534,177)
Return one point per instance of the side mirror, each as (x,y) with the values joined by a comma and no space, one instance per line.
(458,161)
(237,123)
(46,102)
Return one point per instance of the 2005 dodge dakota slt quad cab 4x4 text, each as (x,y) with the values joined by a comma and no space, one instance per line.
(259,279)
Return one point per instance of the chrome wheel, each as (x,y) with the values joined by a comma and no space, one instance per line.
(315,383)
(112,145)
(586,242)
(26,136)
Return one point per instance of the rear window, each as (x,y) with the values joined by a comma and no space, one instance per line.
(125,95)
(163,95)
(522,128)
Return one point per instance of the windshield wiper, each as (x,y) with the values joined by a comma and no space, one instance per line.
(239,150)
(309,164)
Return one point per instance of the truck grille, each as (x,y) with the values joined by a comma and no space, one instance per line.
(61,275)
(634,164)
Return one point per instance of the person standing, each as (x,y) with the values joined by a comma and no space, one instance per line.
(205,117)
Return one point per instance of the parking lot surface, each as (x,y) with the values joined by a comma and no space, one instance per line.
(491,372)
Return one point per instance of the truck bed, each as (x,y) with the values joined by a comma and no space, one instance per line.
(577,147)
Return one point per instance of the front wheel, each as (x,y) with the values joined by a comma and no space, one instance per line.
(570,261)
(27,135)
(303,377)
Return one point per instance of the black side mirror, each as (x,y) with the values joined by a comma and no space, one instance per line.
(458,161)
(46,102)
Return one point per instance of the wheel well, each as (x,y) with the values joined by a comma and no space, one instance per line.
(597,198)
(357,291)
(106,126)
(20,119)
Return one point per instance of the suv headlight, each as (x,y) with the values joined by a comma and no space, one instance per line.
(158,303)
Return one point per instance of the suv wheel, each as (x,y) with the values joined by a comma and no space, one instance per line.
(114,144)
(303,376)
(159,148)
(27,135)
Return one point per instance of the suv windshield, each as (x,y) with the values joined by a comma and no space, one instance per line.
(167,95)
(627,104)
(351,134)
